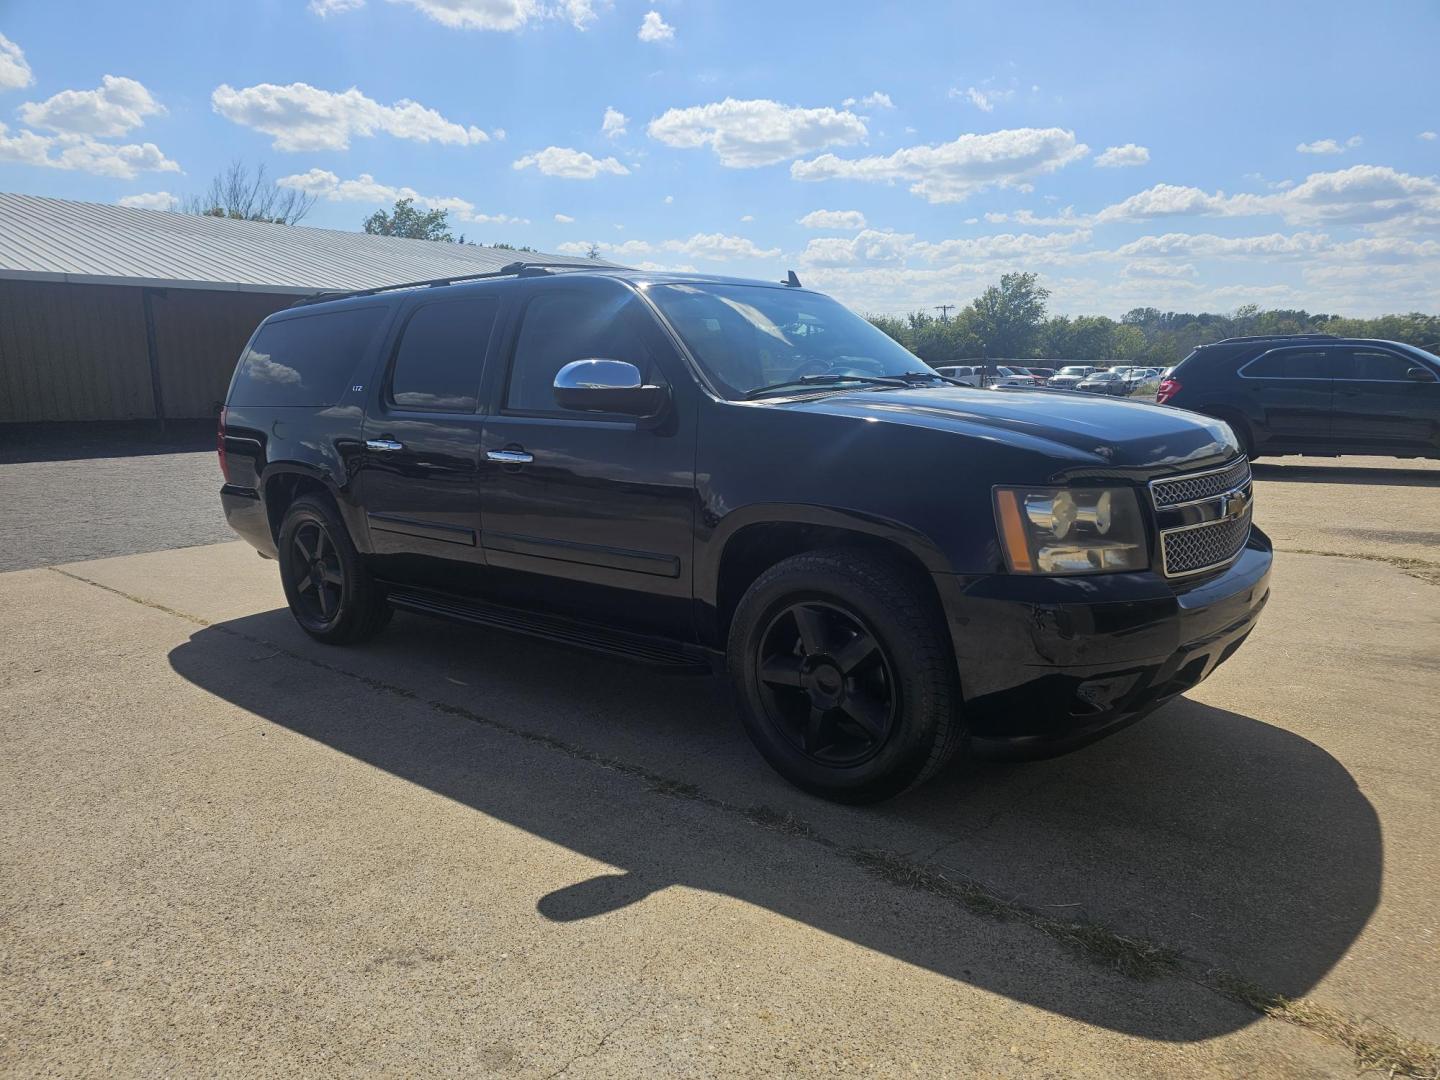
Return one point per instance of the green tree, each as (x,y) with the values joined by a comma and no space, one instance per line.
(1006,318)
(404,220)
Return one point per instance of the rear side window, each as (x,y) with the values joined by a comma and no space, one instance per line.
(307,360)
(1290,364)
(438,364)
(563,326)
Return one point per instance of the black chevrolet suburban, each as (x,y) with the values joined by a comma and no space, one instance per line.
(695,471)
(1315,394)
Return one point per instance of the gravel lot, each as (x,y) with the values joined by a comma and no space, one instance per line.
(66,496)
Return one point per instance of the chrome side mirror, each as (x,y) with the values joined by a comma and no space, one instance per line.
(612,386)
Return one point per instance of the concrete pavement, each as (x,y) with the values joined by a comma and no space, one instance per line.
(228,849)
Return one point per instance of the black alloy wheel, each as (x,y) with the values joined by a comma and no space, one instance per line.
(316,573)
(826,683)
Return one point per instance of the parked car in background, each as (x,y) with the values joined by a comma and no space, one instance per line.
(1105,382)
(1042,374)
(962,373)
(1006,377)
(1315,394)
(1068,377)
(688,472)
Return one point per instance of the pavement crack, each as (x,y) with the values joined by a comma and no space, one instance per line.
(1423,569)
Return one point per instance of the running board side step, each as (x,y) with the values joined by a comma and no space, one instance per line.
(654,651)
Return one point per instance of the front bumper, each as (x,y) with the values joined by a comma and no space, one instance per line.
(1048,664)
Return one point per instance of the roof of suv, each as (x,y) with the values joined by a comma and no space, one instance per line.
(515,272)
(1245,346)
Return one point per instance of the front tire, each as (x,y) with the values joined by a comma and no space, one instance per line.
(844,676)
(326,584)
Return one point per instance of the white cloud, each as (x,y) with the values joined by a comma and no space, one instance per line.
(15,73)
(747,217)
(984,100)
(669,199)
(81,153)
(1360,195)
(1320,146)
(570,164)
(746,134)
(654,28)
(614,122)
(1428,136)
(873,100)
(117,106)
(833,219)
(1210,246)
(302,117)
(564,219)
(503,15)
(1145,271)
(1118,157)
(150,200)
(365,188)
(580,13)
(334,7)
(950,172)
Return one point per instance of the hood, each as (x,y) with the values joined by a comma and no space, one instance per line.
(1085,430)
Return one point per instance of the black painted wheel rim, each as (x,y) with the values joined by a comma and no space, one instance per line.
(316,574)
(826,684)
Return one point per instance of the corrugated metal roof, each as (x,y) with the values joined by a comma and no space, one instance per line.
(95,243)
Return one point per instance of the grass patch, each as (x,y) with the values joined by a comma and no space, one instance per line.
(1424,569)
(1377,1047)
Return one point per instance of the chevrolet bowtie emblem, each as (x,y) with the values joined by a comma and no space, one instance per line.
(1232,504)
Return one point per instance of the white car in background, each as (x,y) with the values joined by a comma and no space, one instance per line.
(1013,378)
(1068,377)
(963,373)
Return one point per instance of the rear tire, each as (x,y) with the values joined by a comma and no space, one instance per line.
(844,676)
(330,593)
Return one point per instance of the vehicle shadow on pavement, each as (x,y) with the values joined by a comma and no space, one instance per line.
(1346,474)
(1242,844)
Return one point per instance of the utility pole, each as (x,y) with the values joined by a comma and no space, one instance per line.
(944,310)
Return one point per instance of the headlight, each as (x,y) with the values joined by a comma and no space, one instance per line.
(1071,530)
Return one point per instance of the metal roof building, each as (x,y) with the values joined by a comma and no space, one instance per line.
(116,313)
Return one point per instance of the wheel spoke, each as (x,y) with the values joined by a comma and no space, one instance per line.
(324,594)
(855,652)
(333,576)
(319,543)
(869,714)
(305,552)
(781,671)
(811,625)
(815,730)
(305,584)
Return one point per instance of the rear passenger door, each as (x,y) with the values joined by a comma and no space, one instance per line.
(1291,388)
(419,468)
(594,513)
(1378,406)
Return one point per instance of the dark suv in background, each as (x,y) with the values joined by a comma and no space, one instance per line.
(698,472)
(1315,394)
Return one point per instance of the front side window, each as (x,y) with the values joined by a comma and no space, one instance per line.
(561,326)
(1376,366)
(1291,364)
(437,365)
(751,336)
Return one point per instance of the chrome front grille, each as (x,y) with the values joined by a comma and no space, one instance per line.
(1203,547)
(1200,486)
(1204,518)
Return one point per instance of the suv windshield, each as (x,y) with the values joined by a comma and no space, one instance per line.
(748,337)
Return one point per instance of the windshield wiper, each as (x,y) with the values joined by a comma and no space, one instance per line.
(914,378)
(826,380)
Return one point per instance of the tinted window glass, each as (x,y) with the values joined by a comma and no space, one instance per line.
(1291,364)
(1368,364)
(441,352)
(560,327)
(305,361)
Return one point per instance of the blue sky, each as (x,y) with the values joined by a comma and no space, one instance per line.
(898,156)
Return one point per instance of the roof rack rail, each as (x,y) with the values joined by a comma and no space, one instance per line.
(1273,337)
(514,269)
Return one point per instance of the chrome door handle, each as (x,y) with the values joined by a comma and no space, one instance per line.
(510,457)
(383,444)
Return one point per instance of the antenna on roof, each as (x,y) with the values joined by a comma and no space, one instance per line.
(791,281)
